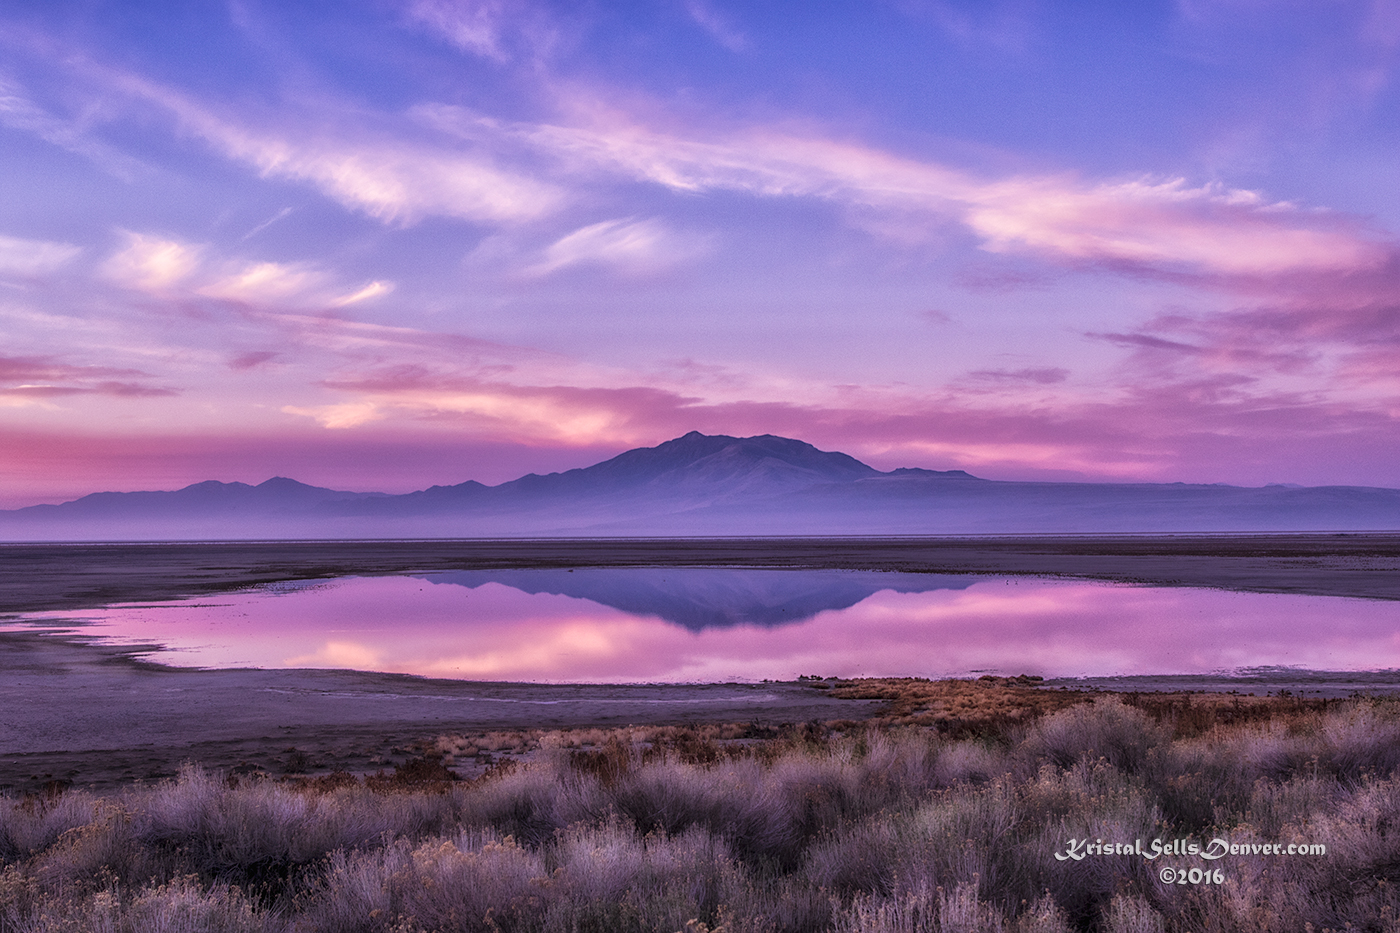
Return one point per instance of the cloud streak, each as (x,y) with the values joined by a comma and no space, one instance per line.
(719,26)
(167,268)
(442,160)
(31,258)
(1166,223)
(34,378)
(626,245)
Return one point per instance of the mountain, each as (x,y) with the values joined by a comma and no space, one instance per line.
(211,498)
(708,485)
(688,472)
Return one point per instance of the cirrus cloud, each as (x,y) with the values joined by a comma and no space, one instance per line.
(444,160)
(167,267)
(627,245)
(28,258)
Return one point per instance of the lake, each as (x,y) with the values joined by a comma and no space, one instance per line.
(671,625)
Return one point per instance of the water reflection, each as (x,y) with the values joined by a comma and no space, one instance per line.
(711,598)
(703,625)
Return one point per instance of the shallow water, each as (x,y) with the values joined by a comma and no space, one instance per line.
(687,625)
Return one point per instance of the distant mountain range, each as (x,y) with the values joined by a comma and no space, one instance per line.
(701,485)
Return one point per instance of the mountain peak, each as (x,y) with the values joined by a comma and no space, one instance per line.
(723,463)
(282,482)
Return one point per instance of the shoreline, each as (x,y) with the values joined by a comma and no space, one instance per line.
(45,577)
(87,714)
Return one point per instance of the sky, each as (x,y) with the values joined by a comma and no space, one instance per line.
(385,244)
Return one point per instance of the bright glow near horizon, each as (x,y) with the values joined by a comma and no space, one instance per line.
(382,245)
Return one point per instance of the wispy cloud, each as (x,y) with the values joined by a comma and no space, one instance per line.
(372,290)
(385,172)
(152,264)
(280,215)
(1163,223)
(27,258)
(471,25)
(267,282)
(388,178)
(167,267)
(1048,375)
(627,245)
(44,377)
(344,415)
(449,161)
(497,30)
(73,133)
(720,27)
(252,359)
(1003,24)
(1185,426)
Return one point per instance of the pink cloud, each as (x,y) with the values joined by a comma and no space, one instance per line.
(1206,229)
(1042,376)
(627,245)
(1153,426)
(1338,332)
(171,269)
(441,160)
(25,258)
(252,359)
(389,173)
(40,377)
(1202,430)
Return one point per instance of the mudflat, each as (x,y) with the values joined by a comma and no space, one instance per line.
(76,710)
(93,714)
(35,577)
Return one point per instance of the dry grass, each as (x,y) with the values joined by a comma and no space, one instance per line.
(893,828)
(959,707)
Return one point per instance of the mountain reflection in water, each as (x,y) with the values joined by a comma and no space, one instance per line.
(630,625)
(701,598)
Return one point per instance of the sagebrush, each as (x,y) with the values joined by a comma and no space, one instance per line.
(900,828)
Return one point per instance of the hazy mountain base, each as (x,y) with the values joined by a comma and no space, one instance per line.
(900,829)
(868,507)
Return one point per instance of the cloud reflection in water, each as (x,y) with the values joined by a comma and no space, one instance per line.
(715,625)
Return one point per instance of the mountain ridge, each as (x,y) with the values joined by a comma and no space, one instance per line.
(706,485)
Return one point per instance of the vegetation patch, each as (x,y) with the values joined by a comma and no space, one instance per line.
(959,708)
(1042,822)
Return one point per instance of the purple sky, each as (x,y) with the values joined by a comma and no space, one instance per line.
(381,244)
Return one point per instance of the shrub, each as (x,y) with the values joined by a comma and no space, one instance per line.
(1108,729)
(877,830)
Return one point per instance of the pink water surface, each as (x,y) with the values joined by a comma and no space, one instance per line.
(496,632)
